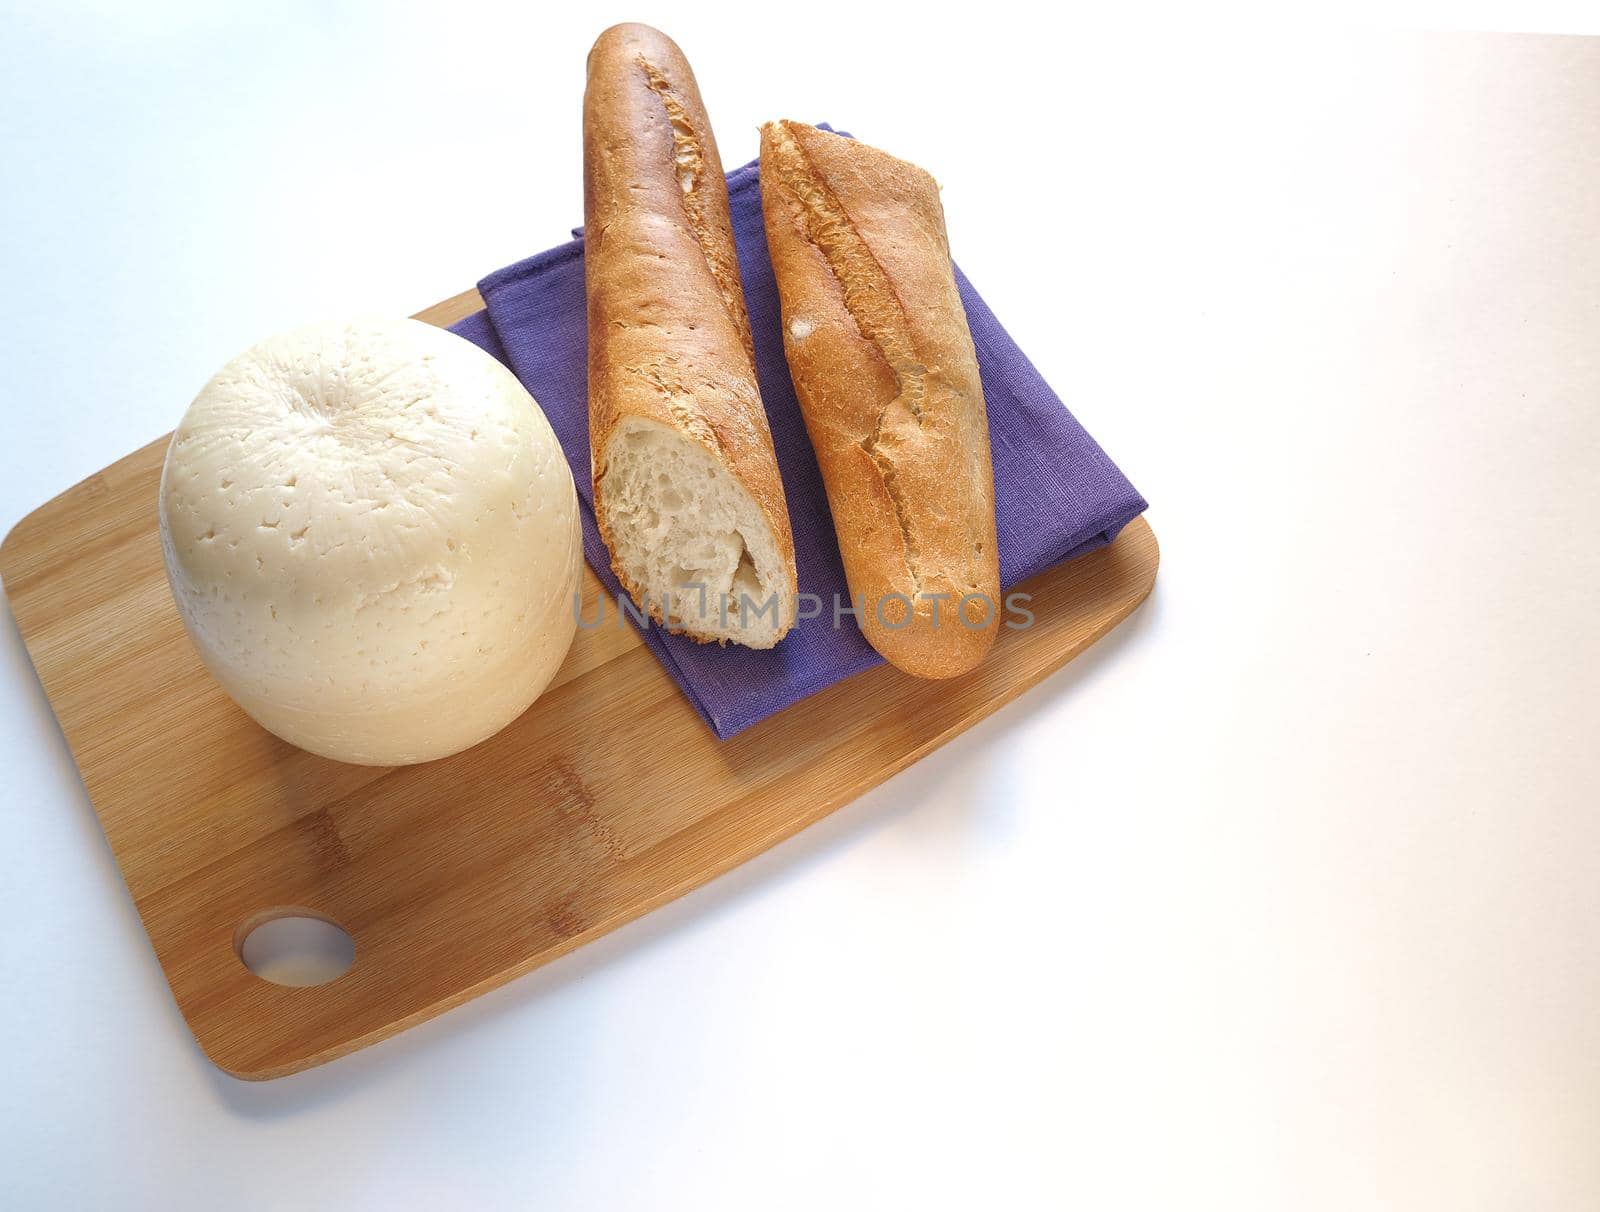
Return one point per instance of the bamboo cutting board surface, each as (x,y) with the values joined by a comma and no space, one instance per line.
(608,798)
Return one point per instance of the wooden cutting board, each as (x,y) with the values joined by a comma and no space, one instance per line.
(608,798)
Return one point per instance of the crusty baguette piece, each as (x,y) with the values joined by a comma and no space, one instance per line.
(686,486)
(887,379)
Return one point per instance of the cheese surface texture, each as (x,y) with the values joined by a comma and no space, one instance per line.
(372,538)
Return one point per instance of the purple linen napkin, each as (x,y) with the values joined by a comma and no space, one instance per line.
(1057,495)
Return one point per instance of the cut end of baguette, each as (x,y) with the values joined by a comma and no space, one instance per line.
(688,541)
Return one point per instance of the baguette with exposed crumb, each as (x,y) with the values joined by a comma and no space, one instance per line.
(686,486)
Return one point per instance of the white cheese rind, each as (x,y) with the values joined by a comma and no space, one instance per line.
(372,538)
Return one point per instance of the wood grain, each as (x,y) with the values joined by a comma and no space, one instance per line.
(455,876)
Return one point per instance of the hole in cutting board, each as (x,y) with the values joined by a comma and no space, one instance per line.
(295,947)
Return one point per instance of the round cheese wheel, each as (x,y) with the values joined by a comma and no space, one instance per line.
(372,537)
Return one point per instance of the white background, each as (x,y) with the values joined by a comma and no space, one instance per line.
(1284,896)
